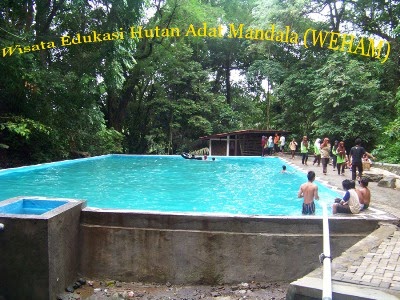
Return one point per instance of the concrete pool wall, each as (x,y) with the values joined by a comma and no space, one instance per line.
(182,248)
(43,254)
(39,254)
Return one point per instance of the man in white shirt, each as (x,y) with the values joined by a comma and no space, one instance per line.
(282,143)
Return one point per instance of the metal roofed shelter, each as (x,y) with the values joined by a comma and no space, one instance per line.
(240,142)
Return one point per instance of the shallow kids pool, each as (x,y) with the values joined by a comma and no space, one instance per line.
(30,206)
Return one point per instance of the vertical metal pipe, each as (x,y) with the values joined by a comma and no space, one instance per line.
(227,145)
(327,273)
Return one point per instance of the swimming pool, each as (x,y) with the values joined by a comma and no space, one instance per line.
(229,185)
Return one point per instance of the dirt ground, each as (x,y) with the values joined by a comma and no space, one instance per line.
(102,290)
(385,199)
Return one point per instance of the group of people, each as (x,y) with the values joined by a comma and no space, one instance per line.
(324,152)
(321,152)
(272,145)
(353,201)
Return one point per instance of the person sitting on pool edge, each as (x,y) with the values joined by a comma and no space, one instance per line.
(364,194)
(350,203)
(309,191)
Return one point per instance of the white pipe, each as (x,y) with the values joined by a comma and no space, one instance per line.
(227,145)
(326,256)
(1,226)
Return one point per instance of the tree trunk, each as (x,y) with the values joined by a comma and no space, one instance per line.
(228,82)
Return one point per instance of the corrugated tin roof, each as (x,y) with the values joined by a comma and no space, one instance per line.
(242,132)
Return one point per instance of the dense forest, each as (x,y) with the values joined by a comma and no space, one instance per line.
(151,77)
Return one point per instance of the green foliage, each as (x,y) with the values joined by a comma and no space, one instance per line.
(388,148)
(55,95)
(169,114)
(295,96)
(160,94)
(23,127)
(25,140)
(348,100)
(105,141)
(156,142)
(199,125)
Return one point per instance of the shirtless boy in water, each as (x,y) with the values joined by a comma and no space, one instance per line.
(309,191)
(364,194)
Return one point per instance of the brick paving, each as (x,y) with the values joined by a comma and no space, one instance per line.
(379,268)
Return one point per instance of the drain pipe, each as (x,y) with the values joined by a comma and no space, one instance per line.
(325,258)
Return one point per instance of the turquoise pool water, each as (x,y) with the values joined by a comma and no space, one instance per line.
(229,185)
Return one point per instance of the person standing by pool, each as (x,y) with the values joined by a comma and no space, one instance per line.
(276,143)
(325,154)
(317,152)
(356,154)
(334,154)
(292,146)
(309,191)
(350,204)
(270,145)
(282,141)
(304,146)
(341,158)
(263,145)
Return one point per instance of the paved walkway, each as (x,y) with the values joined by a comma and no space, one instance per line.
(378,268)
(371,268)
